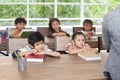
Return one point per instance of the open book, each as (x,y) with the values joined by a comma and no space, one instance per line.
(26,32)
(35,57)
(89,56)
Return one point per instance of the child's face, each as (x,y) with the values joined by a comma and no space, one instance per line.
(20,26)
(39,46)
(79,41)
(55,25)
(87,26)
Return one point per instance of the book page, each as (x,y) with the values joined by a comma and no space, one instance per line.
(26,32)
(88,54)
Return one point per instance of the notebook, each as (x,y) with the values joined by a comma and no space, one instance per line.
(26,32)
(35,57)
(88,56)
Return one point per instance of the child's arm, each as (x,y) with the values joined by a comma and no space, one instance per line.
(52,53)
(71,50)
(59,34)
(88,48)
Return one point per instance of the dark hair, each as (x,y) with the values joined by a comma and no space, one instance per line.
(50,23)
(87,21)
(77,33)
(35,37)
(20,20)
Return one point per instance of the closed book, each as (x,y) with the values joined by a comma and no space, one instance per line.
(35,57)
(88,56)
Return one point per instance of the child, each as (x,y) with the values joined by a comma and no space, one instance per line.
(78,44)
(20,24)
(36,46)
(87,28)
(54,28)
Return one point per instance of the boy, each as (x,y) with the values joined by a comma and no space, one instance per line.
(20,25)
(36,46)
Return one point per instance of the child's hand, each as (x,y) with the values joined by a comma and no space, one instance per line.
(22,54)
(40,52)
(89,34)
(33,51)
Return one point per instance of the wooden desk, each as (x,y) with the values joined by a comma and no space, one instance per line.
(68,67)
(93,42)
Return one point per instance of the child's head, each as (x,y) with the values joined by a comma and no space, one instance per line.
(78,39)
(87,25)
(54,24)
(20,23)
(36,41)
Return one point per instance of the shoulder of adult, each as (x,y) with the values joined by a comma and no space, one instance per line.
(112,14)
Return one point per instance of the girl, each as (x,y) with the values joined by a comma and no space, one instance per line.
(87,28)
(78,44)
(54,28)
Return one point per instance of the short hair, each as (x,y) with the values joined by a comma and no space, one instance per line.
(35,37)
(20,20)
(50,23)
(87,21)
(77,33)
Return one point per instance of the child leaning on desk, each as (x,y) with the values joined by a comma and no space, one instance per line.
(79,44)
(36,46)
(55,29)
(20,25)
(88,28)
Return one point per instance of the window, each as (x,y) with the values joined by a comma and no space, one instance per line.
(70,12)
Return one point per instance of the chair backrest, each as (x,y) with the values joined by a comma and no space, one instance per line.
(93,43)
(9,30)
(50,42)
(100,45)
(61,42)
(16,43)
(76,29)
(43,30)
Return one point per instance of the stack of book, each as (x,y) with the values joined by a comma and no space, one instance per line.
(89,56)
(35,57)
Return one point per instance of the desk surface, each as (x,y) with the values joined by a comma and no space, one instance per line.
(68,67)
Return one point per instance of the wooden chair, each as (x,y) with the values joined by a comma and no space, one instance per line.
(76,29)
(43,30)
(4,42)
(92,43)
(48,41)
(9,30)
(100,45)
(16,43)
(61,42)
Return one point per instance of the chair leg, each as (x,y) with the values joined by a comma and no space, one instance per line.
(3,53)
